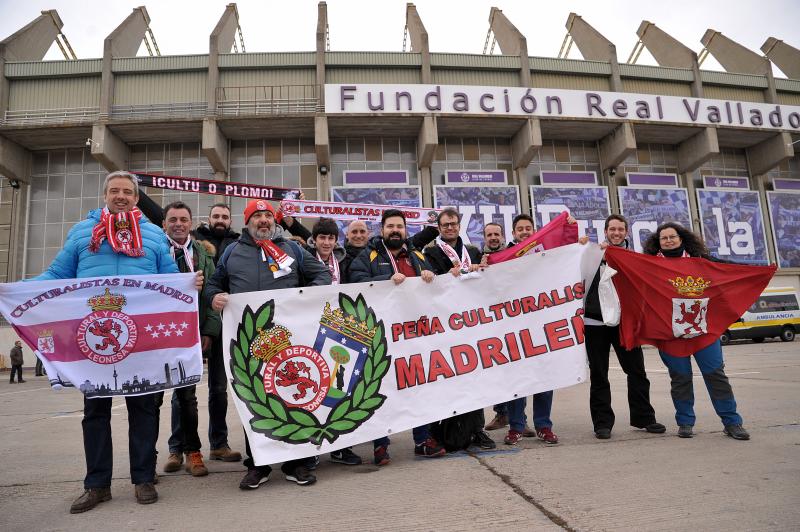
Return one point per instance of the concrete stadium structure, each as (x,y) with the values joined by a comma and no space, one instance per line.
(263,118)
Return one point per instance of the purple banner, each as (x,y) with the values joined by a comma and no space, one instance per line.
(588,205)
(784,210)
(786,184)
(652,180)
(568,178)
(734,183)
(455,177)
(399,196)
(479,206)
(647,208)
(375,177)
(733,225)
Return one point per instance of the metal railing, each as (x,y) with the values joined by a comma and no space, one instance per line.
(75,115)
(267,100)
(159,111)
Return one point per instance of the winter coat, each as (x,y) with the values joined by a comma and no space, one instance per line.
(241,269)
(16,356)
(76,261)
(338,252)
(205,233)
(441,263)
(202,253)
(373,263)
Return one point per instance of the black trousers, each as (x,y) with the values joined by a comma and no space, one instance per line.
(39,370)
(142,434)
(599,340)
(184,438)
(16,369)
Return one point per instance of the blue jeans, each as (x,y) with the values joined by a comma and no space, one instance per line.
(542,405)
(712,368)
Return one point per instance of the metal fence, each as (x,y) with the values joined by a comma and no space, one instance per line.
(268,100)
(159,111)
(76,115)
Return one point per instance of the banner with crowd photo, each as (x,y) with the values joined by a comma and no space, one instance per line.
(110,336)
(322,368)
(478,206)
(733,225)
(398,196)
(587,204)
(784,211)
(647,208)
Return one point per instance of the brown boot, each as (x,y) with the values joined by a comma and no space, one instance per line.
(225,454)
(146,493)
(195,465)
(90,498)
(499,421)
(174,463)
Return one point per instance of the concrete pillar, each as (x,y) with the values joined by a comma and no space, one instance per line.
(322,146)
(594,46)
(694,210)
(696,150)
(760,182)
(786,57)
(511,42)
(109,149)
(736,58)
(670,52)
(322,32)
(617,146)
(32,41)
(220,41)
(124,41)
(14,160)
(215,146)
(524,144)
(427,140)
(419,41)
(769,153)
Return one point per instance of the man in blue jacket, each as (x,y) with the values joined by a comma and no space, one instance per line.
(116,240)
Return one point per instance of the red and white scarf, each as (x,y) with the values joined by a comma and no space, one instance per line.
(279,262)
(188,253)
(333,267)
(463,262)
(121,230)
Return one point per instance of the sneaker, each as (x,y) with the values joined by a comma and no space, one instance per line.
(345,456)
(513,437)
(174,463)
(225,454)
(483,440)
(146,493)
(382,457)
(655,428)
(736,432)
(602,434)
(301,475)
(195,465)
(547,435)
(21,381)
(312,463)
(253,479)
(89,499)
(430,448)
(685,431)
(528,432)
(499,421)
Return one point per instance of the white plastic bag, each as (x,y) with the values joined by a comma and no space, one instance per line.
(609,300)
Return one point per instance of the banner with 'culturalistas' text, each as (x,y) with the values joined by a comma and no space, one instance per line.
(318,369)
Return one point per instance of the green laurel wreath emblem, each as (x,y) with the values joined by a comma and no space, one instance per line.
(295,425)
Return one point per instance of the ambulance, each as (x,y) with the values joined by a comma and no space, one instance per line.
(775,313)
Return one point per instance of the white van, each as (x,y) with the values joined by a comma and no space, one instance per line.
(775,313)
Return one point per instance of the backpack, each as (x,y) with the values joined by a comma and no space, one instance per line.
(456,433)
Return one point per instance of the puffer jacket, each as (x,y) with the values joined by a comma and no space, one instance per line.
(76,261)
(373,263)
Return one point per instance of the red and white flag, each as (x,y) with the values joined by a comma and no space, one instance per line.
(681,305)
(555,234)
(108,336)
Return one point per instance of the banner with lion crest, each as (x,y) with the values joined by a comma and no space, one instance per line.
(317,369)
(109,336)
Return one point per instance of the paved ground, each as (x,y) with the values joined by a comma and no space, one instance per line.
(634,481)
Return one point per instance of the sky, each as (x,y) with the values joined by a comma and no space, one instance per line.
(183,27)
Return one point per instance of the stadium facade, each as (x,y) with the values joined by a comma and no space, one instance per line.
(494,134)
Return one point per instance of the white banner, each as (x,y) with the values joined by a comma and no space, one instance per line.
(318,369)
(109,336)
(355,211)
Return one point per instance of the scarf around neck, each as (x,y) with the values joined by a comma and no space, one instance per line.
(188,254)
(121,230)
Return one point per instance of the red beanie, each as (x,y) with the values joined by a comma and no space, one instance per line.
(256,205)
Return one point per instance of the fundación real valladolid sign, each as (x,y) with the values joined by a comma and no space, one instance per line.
(556,103)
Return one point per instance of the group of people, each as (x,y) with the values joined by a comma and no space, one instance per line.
(274,252)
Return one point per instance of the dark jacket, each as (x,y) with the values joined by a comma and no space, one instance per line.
(425,237)
(296,229)
(202,253)
(350,254)
(220,242)
(16,356)
(373,263)
(441,263)
(591,305)
(241,269)
(338,252)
